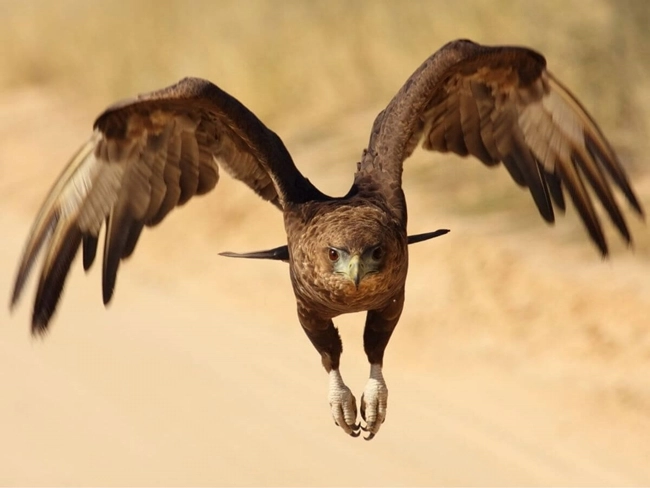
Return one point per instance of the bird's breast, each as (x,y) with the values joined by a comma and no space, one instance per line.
(334,294)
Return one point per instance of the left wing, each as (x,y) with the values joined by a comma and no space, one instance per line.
(146,157)
(500,104)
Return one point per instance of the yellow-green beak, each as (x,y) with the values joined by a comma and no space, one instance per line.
(356,270)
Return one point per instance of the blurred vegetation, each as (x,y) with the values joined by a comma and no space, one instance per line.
(303,66)
(300,58)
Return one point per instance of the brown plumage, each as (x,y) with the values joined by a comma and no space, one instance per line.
(348,254)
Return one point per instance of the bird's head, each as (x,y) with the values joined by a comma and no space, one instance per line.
(366,255)
(350,256)
(356,264)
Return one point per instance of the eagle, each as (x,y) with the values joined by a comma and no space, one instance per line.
(346,254)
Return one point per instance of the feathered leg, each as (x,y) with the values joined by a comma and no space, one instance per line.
(379,327)
(325,338)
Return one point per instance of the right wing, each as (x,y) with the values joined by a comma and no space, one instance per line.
(501,104)
(145,157)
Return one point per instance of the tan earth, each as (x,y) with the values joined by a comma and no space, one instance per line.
(522,358)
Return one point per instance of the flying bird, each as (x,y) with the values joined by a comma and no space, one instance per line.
(346,254)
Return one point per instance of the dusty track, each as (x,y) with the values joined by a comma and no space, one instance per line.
(518,360)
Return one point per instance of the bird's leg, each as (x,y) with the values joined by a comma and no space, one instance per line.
(379,327)
(343,404)
(325,338)
(374,401)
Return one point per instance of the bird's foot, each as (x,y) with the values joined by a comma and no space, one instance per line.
(374,402)
(343,404)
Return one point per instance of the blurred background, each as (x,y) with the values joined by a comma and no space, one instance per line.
(521,357)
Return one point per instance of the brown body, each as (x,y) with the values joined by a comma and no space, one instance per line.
(357,223)
(349,254)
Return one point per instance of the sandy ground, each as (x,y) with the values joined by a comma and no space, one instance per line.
(521,359)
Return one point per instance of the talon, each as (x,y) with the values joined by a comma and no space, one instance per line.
(373,402)
(343,405)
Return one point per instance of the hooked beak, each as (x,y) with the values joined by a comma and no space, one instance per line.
(356,270)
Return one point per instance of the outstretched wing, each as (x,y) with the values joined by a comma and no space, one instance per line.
(500,104)
(145,157)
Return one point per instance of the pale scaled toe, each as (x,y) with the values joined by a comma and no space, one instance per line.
(374,402)
(343,404)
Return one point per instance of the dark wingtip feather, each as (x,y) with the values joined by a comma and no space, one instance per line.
(132,239)
(89,250)
(554,185)
(614,170)
(15,295)
(40,326)
(521,157)
(116,241)
(109,275)
(53,279)
(580,198)
(604,194)
(37,239)
(108,287)
(596,233)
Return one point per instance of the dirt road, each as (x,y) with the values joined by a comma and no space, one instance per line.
(519,360)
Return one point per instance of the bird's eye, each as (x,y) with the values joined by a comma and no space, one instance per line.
(333,254)
(377,253)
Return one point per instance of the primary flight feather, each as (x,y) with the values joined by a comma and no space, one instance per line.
(348,254)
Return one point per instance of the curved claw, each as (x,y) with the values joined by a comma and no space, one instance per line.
(374,402)
(355,430)
(343,405)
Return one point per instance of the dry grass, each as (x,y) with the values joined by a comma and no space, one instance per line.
(296,62)
(315,58)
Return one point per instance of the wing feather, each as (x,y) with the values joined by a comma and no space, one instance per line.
(145,157)
(48,218)
(451,120)
(171,180)
(485,105)
(155,158)
(118,227)
(208,170)
(583,204)
(132,239)
(554,185)
(55,270)
(89,250)
(501,104)
(470,122)
(189,166)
